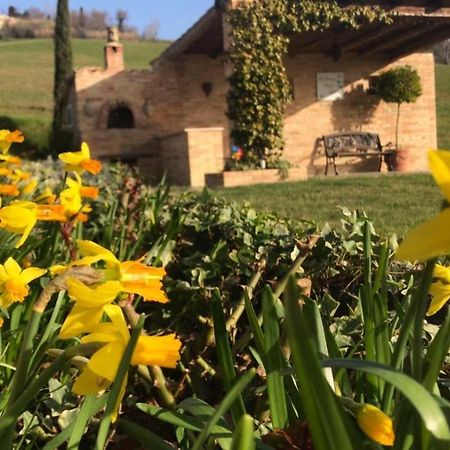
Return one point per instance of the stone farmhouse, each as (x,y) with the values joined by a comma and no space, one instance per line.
(172,118)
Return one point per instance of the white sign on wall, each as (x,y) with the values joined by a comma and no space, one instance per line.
(330,86)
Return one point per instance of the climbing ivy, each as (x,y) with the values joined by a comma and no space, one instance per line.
(259,86)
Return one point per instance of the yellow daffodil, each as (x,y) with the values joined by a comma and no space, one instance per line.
(432,238)
(101,370)
(46,195)
(8,137)
(9,189)
(19,175)
(5,171)
(19,217)
(72,201)
(439,289)
(89,305)
(30,187)
(54,213)
(376,424)
(14,281)
(1,321)
(89,192)
(79,161)
(134,276)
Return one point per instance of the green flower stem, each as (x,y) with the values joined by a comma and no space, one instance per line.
(9,419)
(26,350)
(156,373)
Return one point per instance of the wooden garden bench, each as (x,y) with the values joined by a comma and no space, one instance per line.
(355,144)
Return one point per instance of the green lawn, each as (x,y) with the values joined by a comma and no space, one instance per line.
(443,105)
(395,202)
(27,79)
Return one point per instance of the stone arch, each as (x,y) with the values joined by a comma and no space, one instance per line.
(120,115)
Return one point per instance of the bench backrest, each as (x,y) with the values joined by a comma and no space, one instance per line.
(357,142)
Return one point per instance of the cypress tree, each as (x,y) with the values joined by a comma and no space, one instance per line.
(63,82)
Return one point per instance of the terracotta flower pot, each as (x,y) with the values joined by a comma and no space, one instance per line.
(401,160)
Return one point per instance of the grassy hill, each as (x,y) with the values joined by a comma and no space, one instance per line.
(26,73)
(27,78)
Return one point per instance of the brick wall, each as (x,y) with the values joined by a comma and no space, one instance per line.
(171,99)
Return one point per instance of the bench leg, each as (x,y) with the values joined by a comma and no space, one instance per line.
(334,165)
(381,162)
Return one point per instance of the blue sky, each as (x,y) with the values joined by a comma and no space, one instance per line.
(175,16)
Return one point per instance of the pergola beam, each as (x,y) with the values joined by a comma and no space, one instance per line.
(401,37)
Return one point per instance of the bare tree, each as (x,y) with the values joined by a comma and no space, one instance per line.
(121,16)
(151,31)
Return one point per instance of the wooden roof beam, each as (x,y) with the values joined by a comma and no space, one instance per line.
(369,37)
(400,38)
(440,35)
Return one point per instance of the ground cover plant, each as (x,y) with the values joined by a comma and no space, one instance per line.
(272,334)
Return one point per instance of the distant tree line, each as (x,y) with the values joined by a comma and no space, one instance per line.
(34,22)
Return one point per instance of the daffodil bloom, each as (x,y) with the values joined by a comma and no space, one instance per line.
(29,187)
(46,195)
(431,239)
(89,306)
(5,171)
(439,289)
(101,370)
(19,175)
(71,199)
(19,217)
(8,137)
(1,321)
(14,281)
(134,276)
(376,424)
(89,192)
(9,189)
(54,213)
(79,161)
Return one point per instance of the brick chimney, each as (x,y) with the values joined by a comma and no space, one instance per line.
(113,52)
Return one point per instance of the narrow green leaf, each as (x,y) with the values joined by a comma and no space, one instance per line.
(258,335)
(426,405)
(143,436)
(436,354)
(273,361)
(323,412)
(228,400)
(243,437)
(224,355)
(79,424)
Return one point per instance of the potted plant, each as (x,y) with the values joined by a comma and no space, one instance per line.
(399,85)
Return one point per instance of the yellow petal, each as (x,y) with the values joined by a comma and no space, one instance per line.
(93,297)
(12,268)
(105,361)
(115,313)
(442,273)
(440,168)
(89,248)
(429,240)
(80,320)
(161,351)
(89,383)
(376,424)
(31,274)
(440,295)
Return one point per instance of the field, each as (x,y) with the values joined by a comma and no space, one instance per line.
(395,203)
(26,95)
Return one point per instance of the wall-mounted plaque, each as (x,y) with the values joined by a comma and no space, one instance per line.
(330,86)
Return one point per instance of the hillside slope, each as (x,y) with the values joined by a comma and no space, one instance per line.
(27,79)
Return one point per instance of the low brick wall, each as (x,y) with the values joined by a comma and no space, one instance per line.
(246,177)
